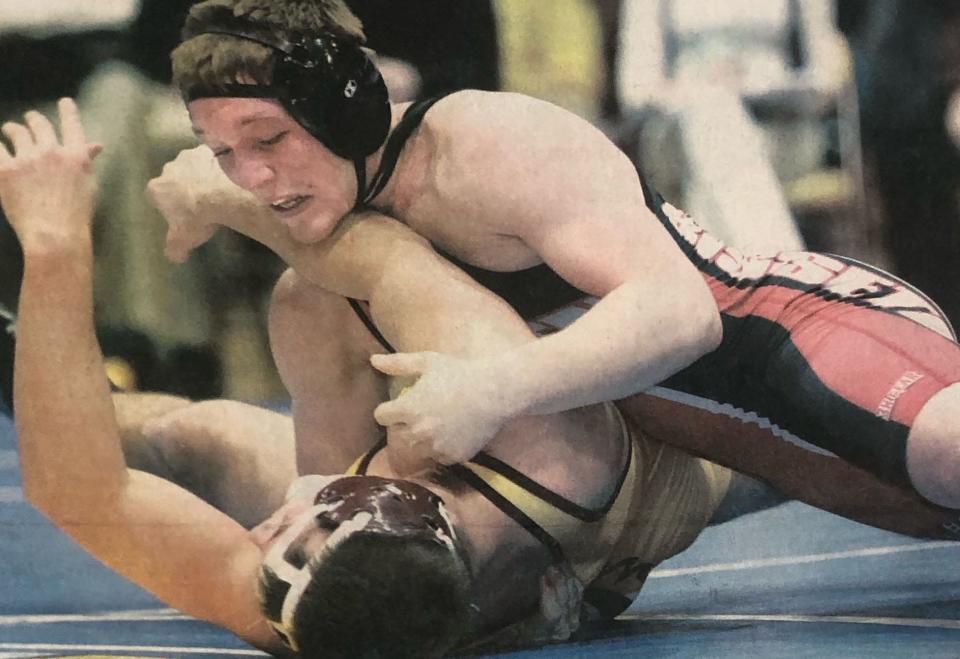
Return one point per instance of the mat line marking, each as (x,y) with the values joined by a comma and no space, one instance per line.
(803,559)
(11,494)
(8,459)
(933,623)
(65,647)
(141,615)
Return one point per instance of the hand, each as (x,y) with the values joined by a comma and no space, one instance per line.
(561,598)
(561,602)
(192,193)
(47,186)
(449,412)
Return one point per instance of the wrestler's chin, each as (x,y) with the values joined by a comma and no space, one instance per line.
(310,228)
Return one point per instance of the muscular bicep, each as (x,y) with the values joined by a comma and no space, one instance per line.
(599,234)
(184,551)
(575,200)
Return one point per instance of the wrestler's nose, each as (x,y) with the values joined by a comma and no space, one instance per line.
(252,174)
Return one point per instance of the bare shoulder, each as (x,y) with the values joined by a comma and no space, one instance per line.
(511,114)
(540,163)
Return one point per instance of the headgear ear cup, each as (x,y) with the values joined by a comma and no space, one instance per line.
(337,94)
(329,86)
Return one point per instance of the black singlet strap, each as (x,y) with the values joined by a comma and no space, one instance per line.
(652,198)
(510,510)
(360,167)
(505,506)
(365,462)
(362,315)
(395,143)
(561,503)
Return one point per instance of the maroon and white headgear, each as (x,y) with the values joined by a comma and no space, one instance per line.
(348,505)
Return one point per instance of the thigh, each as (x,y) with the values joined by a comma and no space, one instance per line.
(824,366)
(838,354)
(798,469)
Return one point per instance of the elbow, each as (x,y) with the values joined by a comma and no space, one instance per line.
(702,327)
(81,503)
(38,496)
(48,501)
(711,328)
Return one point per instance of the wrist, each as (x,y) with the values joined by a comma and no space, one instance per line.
(496,379)
(46,246)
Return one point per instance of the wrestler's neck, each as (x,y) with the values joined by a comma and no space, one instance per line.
(483,530)
(410,175)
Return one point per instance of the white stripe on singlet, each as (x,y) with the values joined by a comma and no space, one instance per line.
(728,410)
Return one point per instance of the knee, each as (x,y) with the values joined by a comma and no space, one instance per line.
(933,449)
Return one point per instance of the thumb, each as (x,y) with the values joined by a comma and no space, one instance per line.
(390,413)
(93,150)
(401,363)
(174,248)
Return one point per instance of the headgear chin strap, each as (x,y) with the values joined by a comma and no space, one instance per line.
(329,86)
(350,505)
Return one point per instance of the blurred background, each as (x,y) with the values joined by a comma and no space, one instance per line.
(830,125)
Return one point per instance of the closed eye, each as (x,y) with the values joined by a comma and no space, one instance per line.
(270,141)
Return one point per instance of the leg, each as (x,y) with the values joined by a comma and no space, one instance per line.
(933,449)
(746,495)
(236,457)
(134,411)
(322,350)
(851,399)
(817,478)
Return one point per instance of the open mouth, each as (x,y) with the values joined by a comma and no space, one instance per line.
(289,204)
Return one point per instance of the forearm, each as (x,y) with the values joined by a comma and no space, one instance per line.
(60,385)
(423,302)
(632,339)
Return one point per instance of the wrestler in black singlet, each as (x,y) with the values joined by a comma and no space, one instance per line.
(819,351)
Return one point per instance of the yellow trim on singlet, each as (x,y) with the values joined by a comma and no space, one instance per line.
(566,528)
(354,468)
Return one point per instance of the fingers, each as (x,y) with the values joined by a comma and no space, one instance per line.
(37,132)
(20,137)
(174,248)
(153,191)
(391,413)
(43,132)
(70,126)
(402,363)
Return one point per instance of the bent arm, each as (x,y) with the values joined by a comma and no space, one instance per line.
(582,210)
(72,463)
(147,529)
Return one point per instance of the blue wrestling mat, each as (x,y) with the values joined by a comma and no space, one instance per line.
(788,582)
